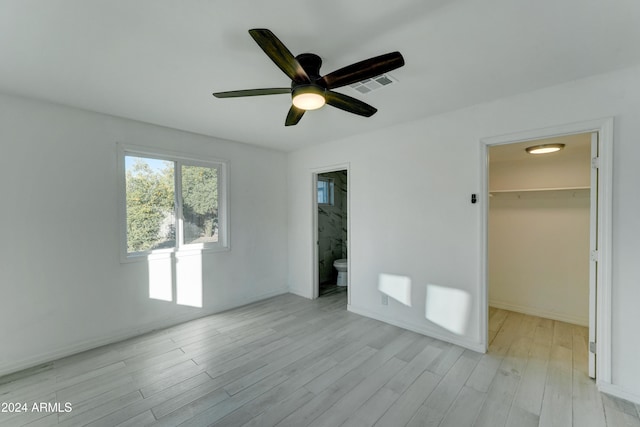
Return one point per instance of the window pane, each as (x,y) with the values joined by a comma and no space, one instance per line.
(323,192)
(200,204)
(150,204)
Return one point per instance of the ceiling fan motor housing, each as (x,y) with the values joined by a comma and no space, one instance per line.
(311,63)
(297,89)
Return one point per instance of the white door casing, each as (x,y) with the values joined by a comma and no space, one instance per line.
(600,233)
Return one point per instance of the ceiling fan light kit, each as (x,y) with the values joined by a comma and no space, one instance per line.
(308,97)
(310,91)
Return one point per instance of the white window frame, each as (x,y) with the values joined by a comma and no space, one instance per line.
(331,191)
(179,160)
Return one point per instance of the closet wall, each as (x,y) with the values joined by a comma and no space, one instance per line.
(539,230)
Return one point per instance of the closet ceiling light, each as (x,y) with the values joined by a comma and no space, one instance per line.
(544,148)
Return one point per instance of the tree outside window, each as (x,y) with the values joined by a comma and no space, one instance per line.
(156,218)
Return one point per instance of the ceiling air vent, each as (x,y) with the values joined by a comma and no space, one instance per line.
(369,85)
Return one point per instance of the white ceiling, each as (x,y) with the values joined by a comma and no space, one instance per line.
(158,61)
(576,146)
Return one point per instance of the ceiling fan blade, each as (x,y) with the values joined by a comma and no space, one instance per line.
(349,104)
(252,92)
(294,116)
(363,70)
(279,54)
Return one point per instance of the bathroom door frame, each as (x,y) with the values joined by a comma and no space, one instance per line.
(314,227)
(602,165)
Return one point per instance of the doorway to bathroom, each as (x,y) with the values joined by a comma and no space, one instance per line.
(331,231)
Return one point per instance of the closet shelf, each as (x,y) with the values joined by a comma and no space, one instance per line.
(530,190)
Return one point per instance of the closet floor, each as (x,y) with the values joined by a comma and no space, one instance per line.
(550,385)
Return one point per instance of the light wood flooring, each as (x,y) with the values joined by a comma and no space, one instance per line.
(288,361)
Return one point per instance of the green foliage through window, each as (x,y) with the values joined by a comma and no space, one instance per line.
(200,204)
(152,209)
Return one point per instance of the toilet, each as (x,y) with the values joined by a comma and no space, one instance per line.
(341,266)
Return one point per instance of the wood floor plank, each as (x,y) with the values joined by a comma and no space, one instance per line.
(403,409)
(446,359)
(403,380)
(341,410)
(100,400)
(531,387)
(206,394)
(290,361)
(465,409)
(340,387)
(272,367)
(444,395)
(24,415)
(88,389)
(519,417)
(47,421)
(484,372)
(563,334)
(496,407)
(588,409)
(528,326)
(417,346)
(371,411)
(133,409)
(225,407)
(142,420)
(281,410)
(557,401)
(102,410)
(296,379)
(322,382)
(496,319)
(321,402)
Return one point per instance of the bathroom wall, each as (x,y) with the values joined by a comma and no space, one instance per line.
(332,228)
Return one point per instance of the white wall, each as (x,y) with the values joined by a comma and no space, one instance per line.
(539,254)
(63,288)
(418,222)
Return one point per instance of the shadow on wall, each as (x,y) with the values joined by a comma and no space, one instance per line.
(444,306)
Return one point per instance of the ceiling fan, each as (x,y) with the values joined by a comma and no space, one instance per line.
(309,90)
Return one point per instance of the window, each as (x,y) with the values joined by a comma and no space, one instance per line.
(325,191)
(172,202)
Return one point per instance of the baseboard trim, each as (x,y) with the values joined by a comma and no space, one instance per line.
(619,392)
(421,329)
(299,293)
(121,335)
(533,311)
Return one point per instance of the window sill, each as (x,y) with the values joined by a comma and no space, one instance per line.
(171,253)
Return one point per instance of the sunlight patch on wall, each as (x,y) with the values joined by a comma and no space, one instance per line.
(189,280)
(160,277)
(448,308)
(397,287)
